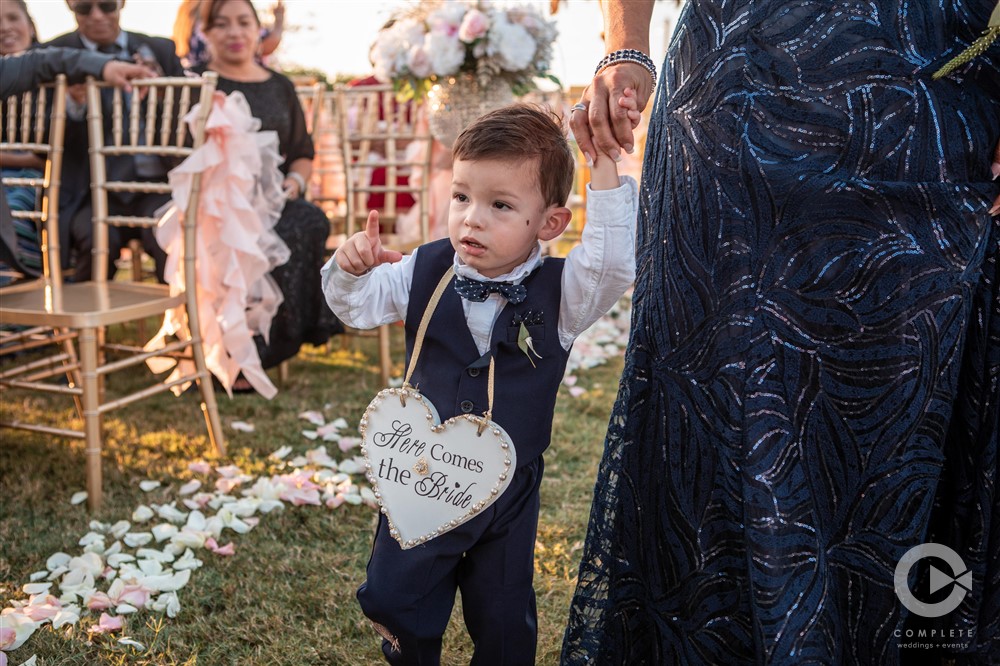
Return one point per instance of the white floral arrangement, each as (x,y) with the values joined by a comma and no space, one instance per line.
(436,39)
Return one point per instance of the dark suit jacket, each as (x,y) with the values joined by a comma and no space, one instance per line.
(75,186)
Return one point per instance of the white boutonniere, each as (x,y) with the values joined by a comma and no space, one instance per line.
(525,344)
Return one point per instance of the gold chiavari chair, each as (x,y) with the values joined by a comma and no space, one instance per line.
(377,131)
(24,133)
(311,99)
(328,169)
(87,308)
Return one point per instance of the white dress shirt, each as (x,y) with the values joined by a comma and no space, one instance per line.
(597,272)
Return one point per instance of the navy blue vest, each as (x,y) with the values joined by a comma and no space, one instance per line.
(450,371)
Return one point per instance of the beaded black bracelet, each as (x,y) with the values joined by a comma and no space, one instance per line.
(628,55)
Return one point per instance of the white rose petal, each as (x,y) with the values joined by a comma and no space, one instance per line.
(36,588)
(313,417)
(242,426)
(142,513)
(132,643)
(78,498)
(153,554)
(350,467)
(77,582)
(171,513)
(125,609)
(67,615)
(168,582)
(38,575)
(148,485)
(164,531)
(167,603)
(134,539)
(57,560)
(189,487)
(188,538)
(187,561)
(89,538)
(150,567)
(115,561)
(119,529)
(22,625)
(90,562)
(196,520)
(281,453)
(57,572)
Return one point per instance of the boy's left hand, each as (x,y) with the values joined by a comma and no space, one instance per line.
(363,251)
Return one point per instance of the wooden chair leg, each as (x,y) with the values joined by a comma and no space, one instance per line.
(135,258)
(91,415)
(73,377)
(209,407)
(385,360)
(283,373)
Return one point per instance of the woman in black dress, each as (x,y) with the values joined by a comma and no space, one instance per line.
(811,391)
(233,32)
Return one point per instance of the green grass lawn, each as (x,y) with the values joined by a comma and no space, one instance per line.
(287,595)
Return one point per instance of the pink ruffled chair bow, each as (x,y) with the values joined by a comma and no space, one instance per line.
(237,248)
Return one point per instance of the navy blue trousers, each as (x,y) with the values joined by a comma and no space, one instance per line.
(490,559)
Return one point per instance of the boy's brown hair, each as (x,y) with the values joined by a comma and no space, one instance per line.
(521,132)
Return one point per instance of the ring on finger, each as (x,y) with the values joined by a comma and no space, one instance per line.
(578,107)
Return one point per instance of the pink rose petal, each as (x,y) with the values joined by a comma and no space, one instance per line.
(135,595)
(200,467)
(43,607)
(108,624)
(229,471)
(99,601)
(228,549)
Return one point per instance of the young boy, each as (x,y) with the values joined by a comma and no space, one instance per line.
(513,171)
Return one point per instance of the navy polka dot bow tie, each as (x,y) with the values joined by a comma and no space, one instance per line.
(474,290)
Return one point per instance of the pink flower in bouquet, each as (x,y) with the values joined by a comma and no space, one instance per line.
(474,26)
(419,62)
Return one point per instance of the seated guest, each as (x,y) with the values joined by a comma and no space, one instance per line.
(22,70)
(98,30)
(233,33)
(18,34)
(189,36)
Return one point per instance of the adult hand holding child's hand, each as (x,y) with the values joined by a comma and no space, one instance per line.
(363,251)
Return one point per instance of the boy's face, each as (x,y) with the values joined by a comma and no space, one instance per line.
(497,214)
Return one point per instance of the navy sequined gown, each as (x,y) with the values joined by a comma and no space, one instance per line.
(811,388)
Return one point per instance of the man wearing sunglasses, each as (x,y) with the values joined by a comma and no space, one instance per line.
(98,30)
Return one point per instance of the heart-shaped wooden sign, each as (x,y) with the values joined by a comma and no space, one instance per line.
(430,477)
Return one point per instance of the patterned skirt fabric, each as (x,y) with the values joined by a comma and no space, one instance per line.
(23,198)
(812,387)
